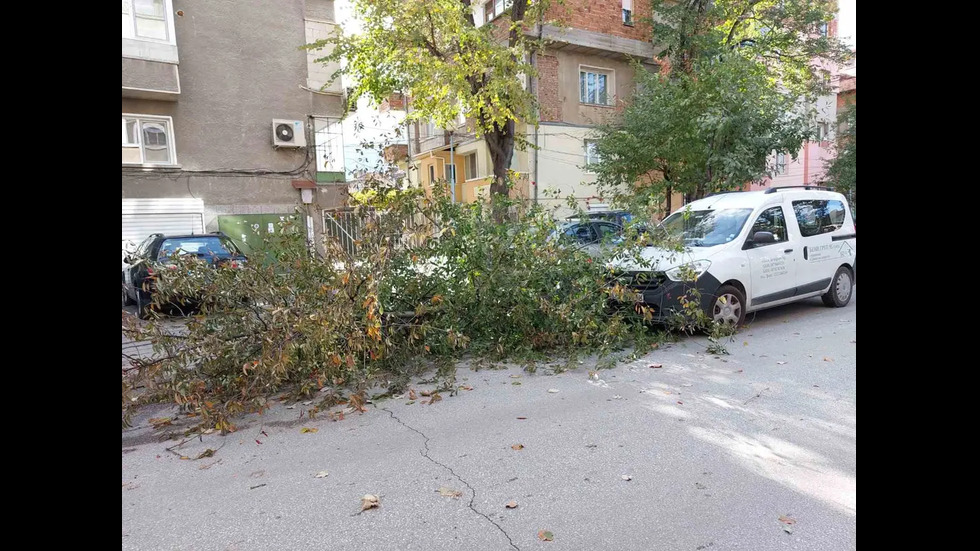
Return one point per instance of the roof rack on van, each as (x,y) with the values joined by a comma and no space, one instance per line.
(723,193)
(775,189)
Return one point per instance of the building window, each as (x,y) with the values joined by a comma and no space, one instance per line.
(780,163)
(823,30)
(470,162)
(146,20)
(591,152)
(823,131)
(628,12)
(451,173)
(594,85)
(493,8)
(147,140)
(432,174)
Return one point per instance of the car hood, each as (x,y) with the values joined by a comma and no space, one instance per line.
(650,259)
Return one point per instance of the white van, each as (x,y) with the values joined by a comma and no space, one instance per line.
(751,250)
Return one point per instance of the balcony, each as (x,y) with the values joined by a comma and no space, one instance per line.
(149,50)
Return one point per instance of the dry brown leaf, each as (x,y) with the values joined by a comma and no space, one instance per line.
(435,398)
(511,504)
(826,359)
(412,395)
(305,430)
(466,387)
(445,491)
(158,422)
(787,520)
(656,366)
(518,446)
(545,535)
(206,453)
(427,393)
(515,376)
(369,502)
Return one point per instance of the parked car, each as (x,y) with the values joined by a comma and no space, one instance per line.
(751,250)
(618,217)
(590,235)
(216,249)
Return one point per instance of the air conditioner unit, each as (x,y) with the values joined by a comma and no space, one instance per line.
(286,133)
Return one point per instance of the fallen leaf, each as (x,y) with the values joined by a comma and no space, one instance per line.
(290,407)
(412,395)
(435,398)
(410,402)
(553,391)
(184,457)
(321,474)
(308,402)
(617,397)
(627,477)
(516,383)
(656,366)
(449,492)
(787,520)
(206,453)
(826,359)
(369,502)
(515,376)
(518,446)
(745,343)
(511,504)
(158,422)
(305,430)
(466,387)
(545,535)
(427,393)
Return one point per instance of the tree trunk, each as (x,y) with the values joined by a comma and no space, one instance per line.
(500,143)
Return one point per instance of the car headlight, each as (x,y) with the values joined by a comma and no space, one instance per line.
(688,272)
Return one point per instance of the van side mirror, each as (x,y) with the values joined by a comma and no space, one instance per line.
(763,238)
(129,259)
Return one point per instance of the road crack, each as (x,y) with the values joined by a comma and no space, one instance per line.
(472,490)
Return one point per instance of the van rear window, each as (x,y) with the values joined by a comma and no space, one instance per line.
(816,216)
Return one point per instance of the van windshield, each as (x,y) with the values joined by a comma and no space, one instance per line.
(706,228)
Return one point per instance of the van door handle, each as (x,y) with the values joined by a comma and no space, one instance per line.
(804,254)
(788,251)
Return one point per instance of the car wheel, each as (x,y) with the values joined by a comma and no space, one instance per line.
(840,290)
(142,306)
(728,306)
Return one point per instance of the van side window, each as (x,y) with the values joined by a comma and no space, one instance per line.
(773,221)
(817,216)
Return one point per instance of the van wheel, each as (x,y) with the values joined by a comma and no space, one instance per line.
(840,290)
(728,306)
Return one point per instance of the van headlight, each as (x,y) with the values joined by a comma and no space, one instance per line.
(688,272)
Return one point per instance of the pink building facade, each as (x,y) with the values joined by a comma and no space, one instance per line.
(808,167)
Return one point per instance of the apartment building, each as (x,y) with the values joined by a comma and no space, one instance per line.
(584,76)
(225,124)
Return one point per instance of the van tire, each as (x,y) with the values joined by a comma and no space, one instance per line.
(841,289)
(728,296)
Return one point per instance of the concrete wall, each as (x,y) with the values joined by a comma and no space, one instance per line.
(240,68)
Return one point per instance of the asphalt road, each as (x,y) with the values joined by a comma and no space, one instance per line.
(717,450)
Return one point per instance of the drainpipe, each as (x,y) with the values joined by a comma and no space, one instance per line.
(452,163)
(537,114)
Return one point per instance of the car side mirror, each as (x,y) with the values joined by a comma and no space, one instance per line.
(129,259)
(763,238)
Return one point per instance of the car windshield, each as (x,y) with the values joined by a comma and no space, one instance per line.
(706,228)
(203,245)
